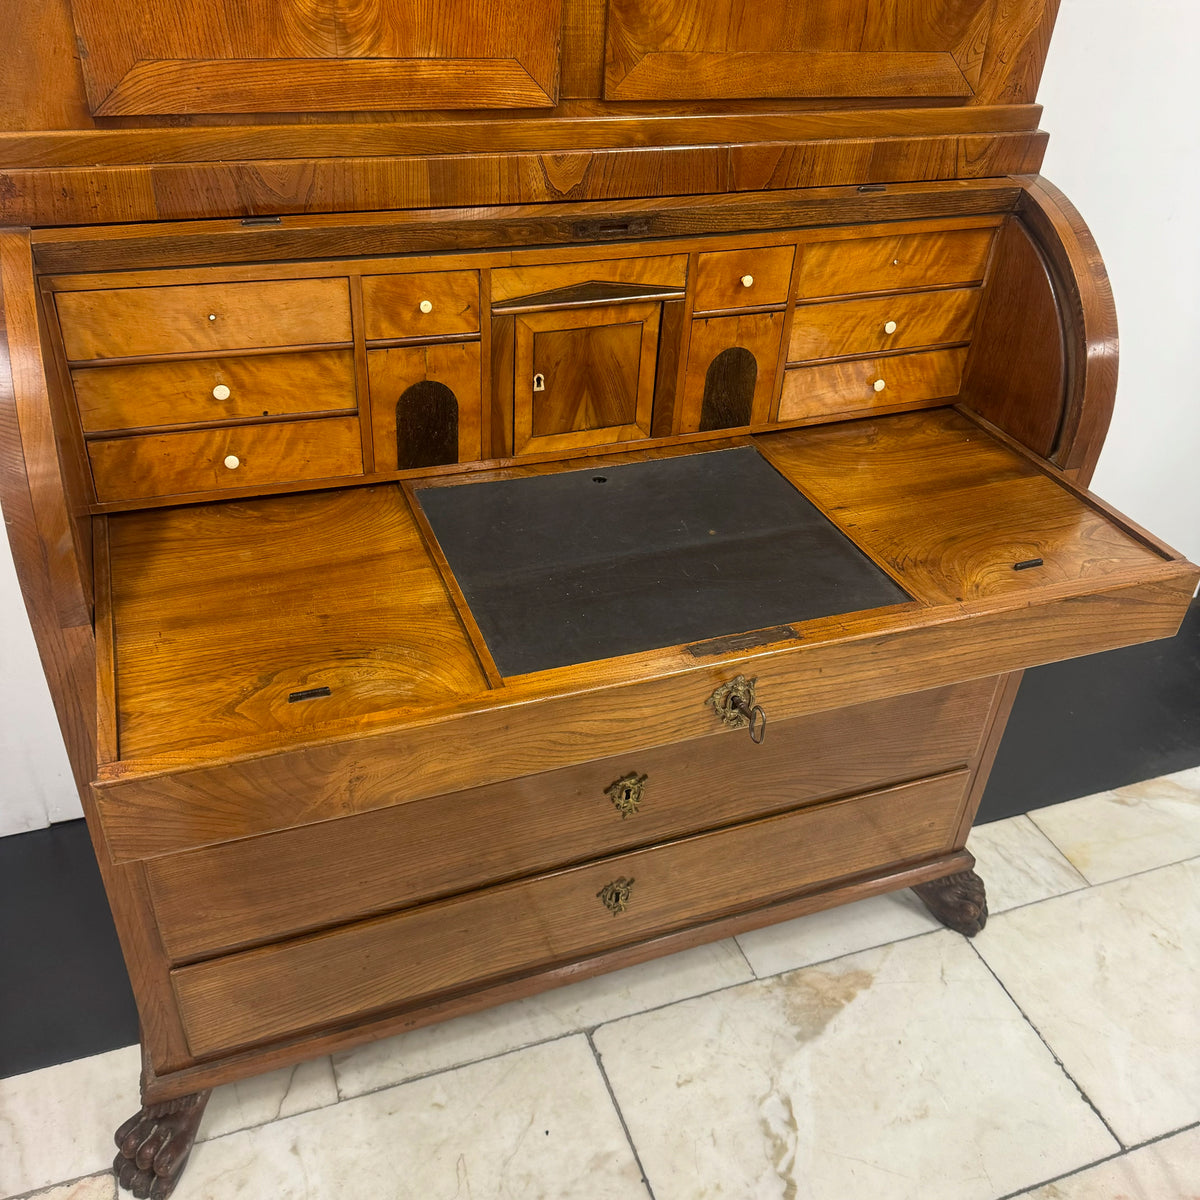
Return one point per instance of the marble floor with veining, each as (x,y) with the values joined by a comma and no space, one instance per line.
(860,1053)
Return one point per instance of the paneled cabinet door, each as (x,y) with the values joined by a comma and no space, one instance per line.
(700,50)
(584,377)
(172,56)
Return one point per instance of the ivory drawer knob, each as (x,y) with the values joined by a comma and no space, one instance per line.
(890,327)
(220,392)
(232,461)
(212,316)
(747,281)
(880,385)
(426,306)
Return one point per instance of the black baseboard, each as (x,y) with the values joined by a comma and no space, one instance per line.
(1077,728)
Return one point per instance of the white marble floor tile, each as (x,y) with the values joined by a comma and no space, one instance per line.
(1111,979)
(269,1097)
(58,1123)
(1131,829)
(1019,864)
(539,1018)
(836,932)
(901,1073)
(535,1123)
(1166,1170)
(95,1187)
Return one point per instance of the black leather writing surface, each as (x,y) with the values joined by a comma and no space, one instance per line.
(589,564)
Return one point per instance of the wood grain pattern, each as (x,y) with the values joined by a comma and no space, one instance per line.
(175,192)
(265,888)
(1016,372)
(176,464)
(596,368)
(894,263)
(181,392)
(302,56)
(335,589)
(275,991)
(721,278)
(859,327)
(760,333)
(203,318)
(1089,320)
(637,267)
(852,386)
(685,49)
(954,535)
(392,304)
(393,371)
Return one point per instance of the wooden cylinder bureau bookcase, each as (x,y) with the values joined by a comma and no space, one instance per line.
(503,492)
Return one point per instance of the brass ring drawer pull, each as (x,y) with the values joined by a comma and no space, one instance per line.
(615,896)
(626,794)
(734,702)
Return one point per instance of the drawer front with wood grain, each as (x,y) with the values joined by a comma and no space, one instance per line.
(849,328)
(193,391)
(894,263)
(500,932)
(749,278)
(860,385)
(431,304)
(203,318)
(176,464)
(261,889)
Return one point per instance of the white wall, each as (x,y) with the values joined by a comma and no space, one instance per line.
(1121,108)
(1123,116)
(36,787)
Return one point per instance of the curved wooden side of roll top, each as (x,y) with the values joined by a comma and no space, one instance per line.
(1043,364)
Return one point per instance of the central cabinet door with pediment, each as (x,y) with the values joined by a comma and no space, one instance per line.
(229,56)
(844,49)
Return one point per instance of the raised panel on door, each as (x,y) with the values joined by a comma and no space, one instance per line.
(168,56)
(695,49)
(584,377)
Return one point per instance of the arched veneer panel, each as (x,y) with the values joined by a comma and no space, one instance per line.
(729,389)
(426,426)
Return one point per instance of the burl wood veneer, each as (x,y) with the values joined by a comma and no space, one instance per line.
(273,280)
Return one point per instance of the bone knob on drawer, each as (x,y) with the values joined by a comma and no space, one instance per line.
(232,462)
(747,281)
(220,392)
(879,385)
(890,327)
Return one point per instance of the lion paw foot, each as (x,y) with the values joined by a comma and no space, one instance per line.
(958,901)
(154,1145)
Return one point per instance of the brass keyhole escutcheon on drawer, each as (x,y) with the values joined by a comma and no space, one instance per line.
(626,794)
(734,702)
(615,896)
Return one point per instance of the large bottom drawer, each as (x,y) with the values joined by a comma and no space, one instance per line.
(262,889)
(450,946)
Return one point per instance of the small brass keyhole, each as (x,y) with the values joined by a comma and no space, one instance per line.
(626,794)
(615,896)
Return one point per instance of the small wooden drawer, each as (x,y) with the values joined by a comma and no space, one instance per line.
(228,896)
(893,263)
(853,327)
(203,318)
(752,278)
(193,391)
(175,464)
(469,940)
(862,384)
(435,304)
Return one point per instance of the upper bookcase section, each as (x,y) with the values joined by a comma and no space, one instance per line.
(143,57)
(163,57)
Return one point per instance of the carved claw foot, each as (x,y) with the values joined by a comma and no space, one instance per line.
(958,901)
(154,1145)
